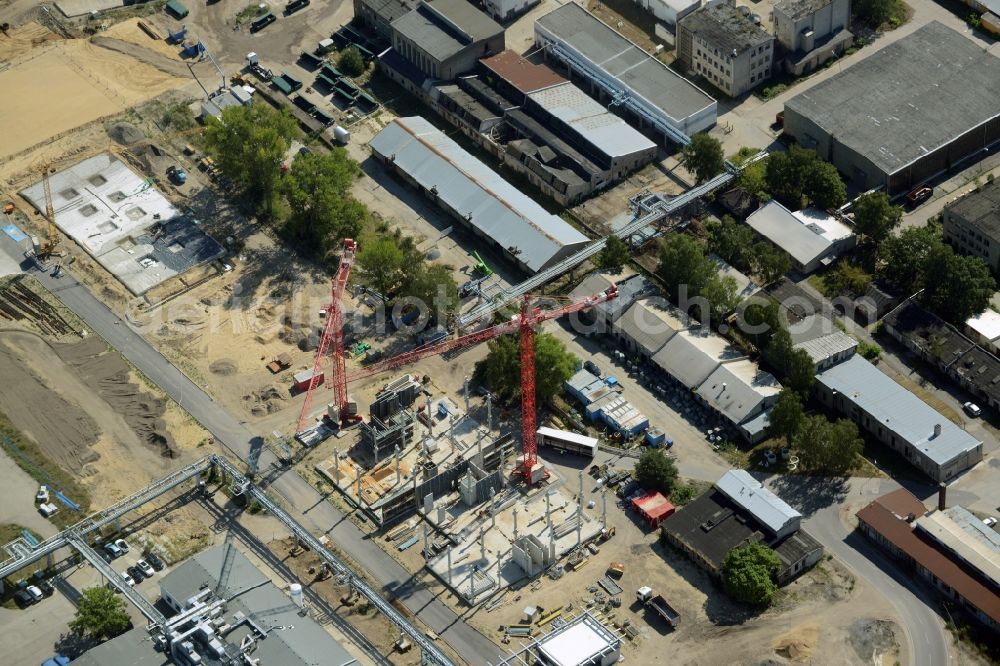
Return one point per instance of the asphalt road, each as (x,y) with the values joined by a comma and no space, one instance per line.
(301,499)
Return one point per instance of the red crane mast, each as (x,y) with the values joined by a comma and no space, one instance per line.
(333,340)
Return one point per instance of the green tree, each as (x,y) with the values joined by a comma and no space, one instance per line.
(733,242)
(748,574)
(501,369)
(800,173)
(655,471)
(350,62)
(683,262)
(753,179)
(100,613)
(902,258)
(961,287)
(759,320)
(877,13)
(824,186)
(770,262)
(703,157)
(614,255)
(380,265)
(847,278)
(248,144)
(875,217)
(826,446)
(794,366)
(433,285)
(317,188)
(786,416)
(722,293)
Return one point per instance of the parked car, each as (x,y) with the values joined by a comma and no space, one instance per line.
(113,550)
(972,409)
(989,521)
(23,599)
(155,561)
(136,574)
(122,544)
(42,496)
(145,568)
(919,195)
(592,368)
(127,577)
(36,594)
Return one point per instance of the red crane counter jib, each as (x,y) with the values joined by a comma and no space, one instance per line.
(333,341)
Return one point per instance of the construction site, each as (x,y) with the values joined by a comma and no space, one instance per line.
(323,480)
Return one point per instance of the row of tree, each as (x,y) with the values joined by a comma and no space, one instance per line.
(824,446)
(687,273)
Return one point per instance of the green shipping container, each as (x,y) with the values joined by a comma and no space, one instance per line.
(177,9)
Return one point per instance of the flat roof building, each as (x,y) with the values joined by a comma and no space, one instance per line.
(972,224)
(445,38)
(905,113)
(475,195)
(647,92)
(898,419)
(984,328)
(811,32)
(379,14)
(723,45)
(738,511)
(811,238)
(127,225)
(936,561)
(583,641)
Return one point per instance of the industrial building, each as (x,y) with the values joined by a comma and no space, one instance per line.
(724,46)
(475,195)
(739,510)
(940,344)
(602,403)
(891,120)
(826,344)
(600,317)
(507,10)
(643,90)
(445,38)
(972,224)
(984,329)
(810,32)
(124,222)
(950,548)
(542,126)
(811,238)
(669,12)
(582,641)
(898,419)
(256,619)
(378,15)
(701,362)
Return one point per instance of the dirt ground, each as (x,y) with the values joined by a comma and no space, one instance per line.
(100,82)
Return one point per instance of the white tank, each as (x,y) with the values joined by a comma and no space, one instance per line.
(341,135)
(295,589)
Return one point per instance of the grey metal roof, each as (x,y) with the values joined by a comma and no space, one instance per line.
(725,28)
(776,223)
(825,347)
(629,290)
(492,205)
(296,640)
(650,326)
(981,208)
(388,10)
(770,510)
(730,394)
(607,132)
(444,27)
(907,99)
(898,410)
(204,569)
(637,71)
(685,362)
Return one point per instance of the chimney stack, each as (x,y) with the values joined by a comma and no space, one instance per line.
(937,429)
(942,496)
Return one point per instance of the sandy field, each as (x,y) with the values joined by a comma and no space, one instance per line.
(46,74)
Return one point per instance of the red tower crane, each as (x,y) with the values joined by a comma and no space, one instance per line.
(333,340)
(531,315)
